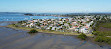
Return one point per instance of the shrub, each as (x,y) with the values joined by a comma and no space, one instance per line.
(82,36)
(99,39)
(15,25)
(42,28)
(95,33)
(98,33)
(50,28)
(103,39)
(21,22)
(33,31)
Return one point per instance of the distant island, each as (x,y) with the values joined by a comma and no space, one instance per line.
(29,14)
(67,14)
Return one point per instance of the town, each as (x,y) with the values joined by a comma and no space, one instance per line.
(80,24)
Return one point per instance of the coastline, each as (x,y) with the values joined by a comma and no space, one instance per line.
(47,31)
(41,40)
(89,38)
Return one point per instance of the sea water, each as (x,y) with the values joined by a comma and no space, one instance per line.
(20,17)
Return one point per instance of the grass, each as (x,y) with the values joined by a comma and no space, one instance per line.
(103,32)
(46,31)
(103,39)
(105,25)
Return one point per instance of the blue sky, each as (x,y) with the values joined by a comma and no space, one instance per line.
(55,6)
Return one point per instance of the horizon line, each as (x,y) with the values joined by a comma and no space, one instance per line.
(55,12)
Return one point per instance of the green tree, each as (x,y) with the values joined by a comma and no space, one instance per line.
(50,28)
(33,31)
(82,36)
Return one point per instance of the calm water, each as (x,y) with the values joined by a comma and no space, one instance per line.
(19,17)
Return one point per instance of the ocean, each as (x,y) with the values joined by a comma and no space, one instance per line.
(20,17)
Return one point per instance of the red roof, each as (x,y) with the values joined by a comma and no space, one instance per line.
(75,26)
(86,27)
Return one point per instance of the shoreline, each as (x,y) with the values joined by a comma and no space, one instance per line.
(48,31)
(89,38)
(42,38)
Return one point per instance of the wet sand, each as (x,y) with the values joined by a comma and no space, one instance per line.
(20,39)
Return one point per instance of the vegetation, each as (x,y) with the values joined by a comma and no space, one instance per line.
(50,28)
(103,39)
(15,25)
(82,36)
(46,31)
(22,22)
(106,25)
(33,31)
(29,14)
(102,31)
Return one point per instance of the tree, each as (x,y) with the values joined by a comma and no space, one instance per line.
(50,28)
(28,14)
(82,36)
(33,31)
(55,28)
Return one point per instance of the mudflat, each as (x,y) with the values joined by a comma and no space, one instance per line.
(20,39)
(5,23)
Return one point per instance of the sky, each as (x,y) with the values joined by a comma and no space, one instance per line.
(55,6)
